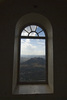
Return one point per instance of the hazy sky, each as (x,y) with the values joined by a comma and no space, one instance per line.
(32,46)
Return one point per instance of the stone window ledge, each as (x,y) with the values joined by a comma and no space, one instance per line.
(32,89)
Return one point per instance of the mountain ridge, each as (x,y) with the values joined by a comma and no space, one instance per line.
(34,62)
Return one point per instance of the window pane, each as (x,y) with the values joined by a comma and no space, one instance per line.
(32,34)
(33,27)
(28,29)
(42,34)
(38,29)
(32,60)
(24,33)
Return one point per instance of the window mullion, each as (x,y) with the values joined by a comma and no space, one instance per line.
(33,37)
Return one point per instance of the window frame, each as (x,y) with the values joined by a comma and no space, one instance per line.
(33,37)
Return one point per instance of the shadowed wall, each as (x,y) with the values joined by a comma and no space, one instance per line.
(10,12)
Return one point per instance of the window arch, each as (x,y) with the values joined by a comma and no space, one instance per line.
(42,21)
(33,30)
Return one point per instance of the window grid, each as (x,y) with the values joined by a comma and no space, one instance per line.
(29,30)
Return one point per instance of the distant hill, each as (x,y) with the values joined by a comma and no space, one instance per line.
(27,57)
(36,62)
(32,70)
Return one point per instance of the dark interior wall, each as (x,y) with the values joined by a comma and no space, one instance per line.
(10,13)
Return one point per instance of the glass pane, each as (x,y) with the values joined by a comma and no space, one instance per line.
(28,29)
(24,33)
(32,60)
(42,34)
(32,34)
(33,27)
(38,29)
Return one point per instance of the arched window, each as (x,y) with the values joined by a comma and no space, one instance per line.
(28,36)
(33,55)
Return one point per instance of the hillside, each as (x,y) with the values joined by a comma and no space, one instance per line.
(32,70)
(36,62)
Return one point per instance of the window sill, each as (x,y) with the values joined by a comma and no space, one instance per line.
(32,89)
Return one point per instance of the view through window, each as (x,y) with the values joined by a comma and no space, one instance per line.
(32,55)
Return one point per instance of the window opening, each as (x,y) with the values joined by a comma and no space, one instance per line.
(33,55)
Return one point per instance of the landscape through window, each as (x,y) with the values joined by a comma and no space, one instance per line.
(32,55)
